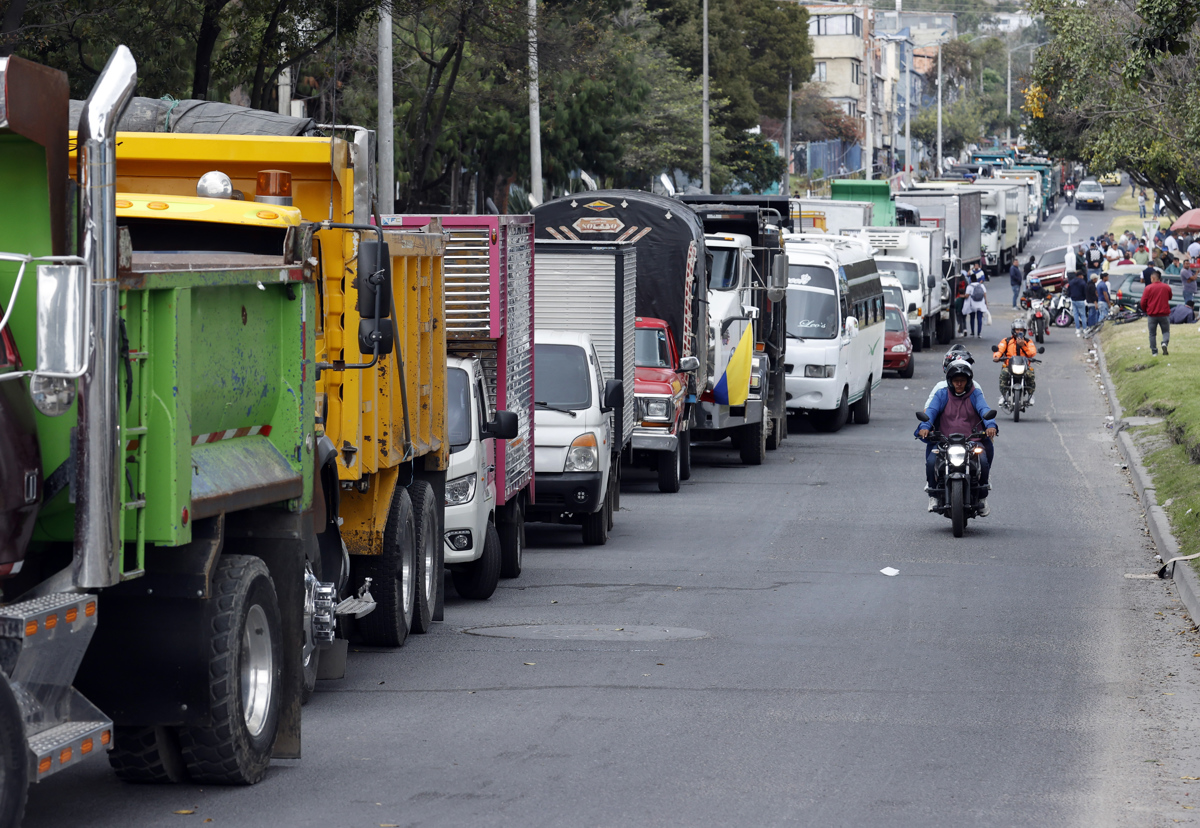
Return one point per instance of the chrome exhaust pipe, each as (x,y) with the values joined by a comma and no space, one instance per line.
(98,507)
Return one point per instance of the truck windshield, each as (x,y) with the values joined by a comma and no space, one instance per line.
(652,348)
(894,321)
(991,224)
(561,376)
(908,273)
(812,313)
(724,268)
(458,409)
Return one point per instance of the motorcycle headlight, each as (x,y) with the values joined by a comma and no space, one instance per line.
(1018,370)
(957,455)
(583,455)
(460,490)
(899,349)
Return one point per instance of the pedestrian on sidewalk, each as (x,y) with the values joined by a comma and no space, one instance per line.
(1093,297)
(1142,203)
(1094,259)
(1104,298)
(1071,262)
(1015,277)
(1142,254)
(1077,293)
(1187,275)
(1156,304)
(1184,314)
(975,305)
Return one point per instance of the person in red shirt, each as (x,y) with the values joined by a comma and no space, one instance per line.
(1156,303)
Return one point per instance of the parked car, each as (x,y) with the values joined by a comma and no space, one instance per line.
(1112,179)
(1050,268)
(1127,292)
(1089,194)
(897,346)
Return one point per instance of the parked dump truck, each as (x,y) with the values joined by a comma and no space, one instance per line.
(489,324)
(157,612)
(879,193)
(584,359)
(672,283)
(387,425)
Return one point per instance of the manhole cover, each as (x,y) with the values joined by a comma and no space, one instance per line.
(588,632)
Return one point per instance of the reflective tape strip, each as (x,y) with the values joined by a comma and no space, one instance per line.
(231,433)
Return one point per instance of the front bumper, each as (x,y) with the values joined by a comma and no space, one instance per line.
(654,439)
(574,492)
(896,362)
(813,393)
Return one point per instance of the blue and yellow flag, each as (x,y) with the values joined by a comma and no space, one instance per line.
(734,386)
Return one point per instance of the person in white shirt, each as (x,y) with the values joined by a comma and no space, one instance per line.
(1193,250)
(1170,243)
(1071,262)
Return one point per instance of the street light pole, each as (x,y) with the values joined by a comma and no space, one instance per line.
(787,143)
(535,111)
(939,114)
(705,159)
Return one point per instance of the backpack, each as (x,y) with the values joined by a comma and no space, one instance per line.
(977,292)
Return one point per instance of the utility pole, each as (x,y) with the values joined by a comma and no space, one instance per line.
(535,111)
(908,107)
(869,164)
(386,133)
(706,148)
(787,143)
(1008,103)
(939,114)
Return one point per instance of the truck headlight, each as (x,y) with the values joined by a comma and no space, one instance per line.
(460,490)
(658,409)
(820,371)
(52,395)
(583,455)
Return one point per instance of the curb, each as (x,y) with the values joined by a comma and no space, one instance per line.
(1185,578)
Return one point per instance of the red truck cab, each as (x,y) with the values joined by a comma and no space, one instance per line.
(660,435)
(20,460)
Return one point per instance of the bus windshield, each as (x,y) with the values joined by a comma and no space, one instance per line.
(803,275)
(812,313)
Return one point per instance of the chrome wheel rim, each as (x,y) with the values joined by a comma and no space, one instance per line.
(257,670)
(310,594)
(430,558)
(405,575)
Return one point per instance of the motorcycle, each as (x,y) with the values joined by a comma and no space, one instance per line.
(1016,395)
(1069,192)
(1039,319)
(1062,312)
(958,471)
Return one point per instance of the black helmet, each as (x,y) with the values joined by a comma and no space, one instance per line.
(957,351)
(959,368)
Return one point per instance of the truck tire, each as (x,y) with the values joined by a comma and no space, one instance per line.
(393,575)
(775,432)
(861,410)
(595,525)
(430,554)
(752,443)
(147,755)
(512,543)
(926,335)
(310,655)
(14,786)
(245,669)
(917,341)
(668,470)
(831,421)
(477,580)
(685,455)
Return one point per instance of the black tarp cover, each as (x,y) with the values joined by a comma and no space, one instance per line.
(669,238)
(201,118)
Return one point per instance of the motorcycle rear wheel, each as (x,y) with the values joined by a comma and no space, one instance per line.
(958,508)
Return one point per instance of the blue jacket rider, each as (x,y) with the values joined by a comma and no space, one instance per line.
(957,408)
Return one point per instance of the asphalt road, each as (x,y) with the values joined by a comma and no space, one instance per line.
(1010,677)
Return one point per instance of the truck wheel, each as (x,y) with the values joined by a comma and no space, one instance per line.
(752,444)
(245,669)
(862,409)
(595,525)
(429,553)
(393,575)
(147,755)
(512,543)
(831,421)
(14,785)
(685,455)
(918,341)
(926,335)
(310,654)
(774,433)
(668,470)
(477,580)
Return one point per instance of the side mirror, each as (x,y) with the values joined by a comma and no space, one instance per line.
(614,395)
(912,307)
(62,329)
(922,416)
(504,427)
(779,271)
(931,281)
(1004,226)
(372,330)
(689,364)
(990,414)
(954,244)
(995,348)
(374,280)
(1041,349)
(851,326)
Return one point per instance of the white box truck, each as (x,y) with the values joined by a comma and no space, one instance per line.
(584,358)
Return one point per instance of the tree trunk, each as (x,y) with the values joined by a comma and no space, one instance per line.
(206,42)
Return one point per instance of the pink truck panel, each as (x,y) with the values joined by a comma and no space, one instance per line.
(489,315)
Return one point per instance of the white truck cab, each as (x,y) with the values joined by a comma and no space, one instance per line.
(472,543)
(574,459)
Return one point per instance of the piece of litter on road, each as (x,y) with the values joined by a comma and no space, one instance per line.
(618,629)
(906,388)
(888,571)
(1141,576)
(184,812)
(530,663)
(554,602)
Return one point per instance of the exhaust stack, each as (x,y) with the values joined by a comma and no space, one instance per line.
(98,507)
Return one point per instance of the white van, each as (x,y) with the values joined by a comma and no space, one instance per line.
(835,326)
(575,463)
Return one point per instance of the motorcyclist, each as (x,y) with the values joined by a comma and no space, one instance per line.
(957,409)
(1015,343)
(957,351)
(1034,289)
